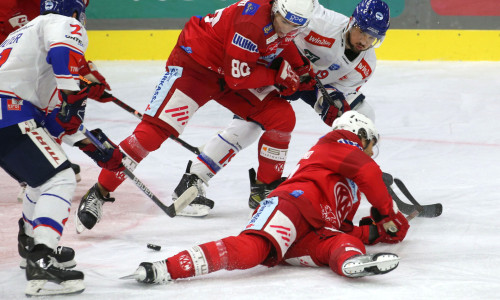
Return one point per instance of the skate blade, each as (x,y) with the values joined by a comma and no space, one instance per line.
(78,225)
(131,276)
(38,288)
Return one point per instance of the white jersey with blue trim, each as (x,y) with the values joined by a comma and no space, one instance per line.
(42,57)
(323,43)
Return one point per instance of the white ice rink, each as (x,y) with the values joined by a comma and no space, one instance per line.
(440,127)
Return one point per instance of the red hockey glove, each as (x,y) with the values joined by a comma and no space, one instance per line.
(306,75)
(391,228)
(89,67)
(287,80)
(329,112)
(98,90)
(110,159)
(72,111)
(370,231)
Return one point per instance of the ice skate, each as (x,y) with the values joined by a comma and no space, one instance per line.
(64,257)
(153,273)
(370,264)
(90,209)
(260,191)
(40,270)
(200,206)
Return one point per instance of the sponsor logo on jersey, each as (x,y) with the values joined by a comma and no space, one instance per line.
(271,39)
(18,21)
(268,28)
(363,68)
(319,40)
(250,9)
(12,40)
(334,67)
(14,104)
(295,19)
(279,167)
(311,56)
(74,38)
(244,43)
(243,3)
(297,193)
(187,49)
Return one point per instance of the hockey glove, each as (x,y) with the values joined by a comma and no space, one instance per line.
(287,81)
(89,67)
(306,75)
(391,228)
(329,111)
(72,110)
(110,159)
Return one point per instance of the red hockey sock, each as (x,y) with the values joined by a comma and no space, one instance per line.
(273,149)
(241,252)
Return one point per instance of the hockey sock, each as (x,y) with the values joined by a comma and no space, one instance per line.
(241,252)
(146,138)
(273,149)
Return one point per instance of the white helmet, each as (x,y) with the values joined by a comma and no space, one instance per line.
(298,12)
(357,123)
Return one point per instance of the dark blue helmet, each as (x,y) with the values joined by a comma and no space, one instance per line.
(65,8)
(372,17)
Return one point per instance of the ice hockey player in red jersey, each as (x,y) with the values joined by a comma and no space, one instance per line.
(228,56)
(308,219)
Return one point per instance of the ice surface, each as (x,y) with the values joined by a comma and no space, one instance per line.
(440,127)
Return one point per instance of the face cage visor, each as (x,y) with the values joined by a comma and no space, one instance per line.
(372,35)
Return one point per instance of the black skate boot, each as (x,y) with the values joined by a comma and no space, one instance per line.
(90,209)
(64,257)
(260,191)
(40,269)
(200,206)
(76,169)
(153,273)
(370,264)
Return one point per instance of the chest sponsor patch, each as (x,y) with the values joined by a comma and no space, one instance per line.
(319,40)
(268,28)
(363,68)
(244,43)
(250,8)
(13,104)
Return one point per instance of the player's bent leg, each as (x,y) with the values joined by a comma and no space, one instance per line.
(217,153)
(146,138)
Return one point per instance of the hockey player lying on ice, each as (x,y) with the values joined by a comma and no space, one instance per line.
(309,216)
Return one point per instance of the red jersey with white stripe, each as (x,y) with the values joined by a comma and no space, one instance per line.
(40,58)
(328,180)
(237,42)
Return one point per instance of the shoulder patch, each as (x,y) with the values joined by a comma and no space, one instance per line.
(250,9)
(268,28)
(244,43)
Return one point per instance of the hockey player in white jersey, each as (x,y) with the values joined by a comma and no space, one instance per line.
(40,97)
(341,51)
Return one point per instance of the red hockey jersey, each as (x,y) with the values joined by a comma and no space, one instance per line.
(16,13)
(328,180)
(237,42)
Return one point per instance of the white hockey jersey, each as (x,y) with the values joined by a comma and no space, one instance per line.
(40,58)
(323,43)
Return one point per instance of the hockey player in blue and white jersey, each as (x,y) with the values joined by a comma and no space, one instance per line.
(40,97)
(341,51)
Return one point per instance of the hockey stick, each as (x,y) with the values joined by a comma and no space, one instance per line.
(430,211)
(170,210)
(327,96)
(414,209)
(138,115)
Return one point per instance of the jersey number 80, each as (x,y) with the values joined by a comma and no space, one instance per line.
(239,69)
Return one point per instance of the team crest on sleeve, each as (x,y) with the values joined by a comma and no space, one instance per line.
(250,8)
(244,43)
